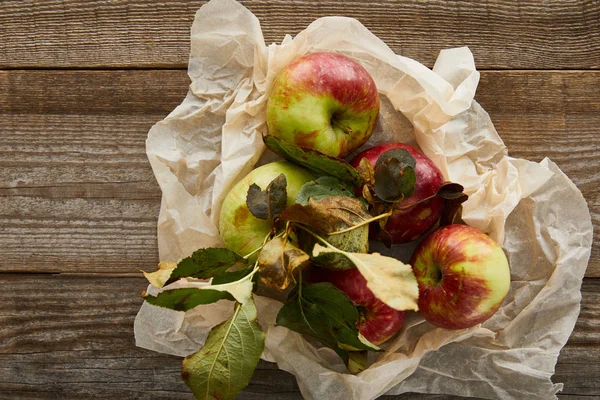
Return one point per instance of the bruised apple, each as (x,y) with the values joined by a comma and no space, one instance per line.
(377,322)
(325,101)
(241,231)
(463,276)
(410,220)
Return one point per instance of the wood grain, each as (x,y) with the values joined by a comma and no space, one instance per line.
(71,337)
(155,34)
(77,191)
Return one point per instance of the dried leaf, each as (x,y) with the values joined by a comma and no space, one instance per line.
(327,215)
(160,277)
(390,280)
(268,204)
(280,262)
(366,171)
(453,196)
(314,160)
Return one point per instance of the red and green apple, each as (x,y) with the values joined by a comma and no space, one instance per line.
(377,322)
(325,101)
(463,276)
(412,217)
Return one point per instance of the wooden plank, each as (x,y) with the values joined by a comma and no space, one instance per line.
(77,188)
(143,33)
(71,337)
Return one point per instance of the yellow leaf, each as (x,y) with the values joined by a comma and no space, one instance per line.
(161,276)
(390,280)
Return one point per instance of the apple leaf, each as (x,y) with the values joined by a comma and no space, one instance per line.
(280,263)
(186,299)
(231,276)
(325,186)
(366,172)
(390,280)
(325,313)
(314,160)
(357,361)
(453,196)
(207,263)
(327,215)
(235,285)
(401,155)
(225,364)
(160,277)
(268,204)
(394,180)
(452,191)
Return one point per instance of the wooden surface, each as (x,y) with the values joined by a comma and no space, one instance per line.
(82,82)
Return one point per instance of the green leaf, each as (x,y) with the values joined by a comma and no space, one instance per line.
(325,186)
(314,160)
(401,155)
(394,180)
(231,276)
(390,280)
(207,263)
(268,204)
(186,299)
(225,364)
(325,313)
(280,262)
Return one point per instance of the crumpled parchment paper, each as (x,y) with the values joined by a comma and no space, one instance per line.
(213,139)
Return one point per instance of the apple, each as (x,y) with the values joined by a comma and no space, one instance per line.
(241,231)
(463,276)
(378,322)
(409,223)
(325,101)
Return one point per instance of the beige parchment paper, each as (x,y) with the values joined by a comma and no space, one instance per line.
(541,219)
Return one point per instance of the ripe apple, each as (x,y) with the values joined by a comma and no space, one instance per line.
(324,101)
(463,276)
(408,222)
(241,231)
(378,322)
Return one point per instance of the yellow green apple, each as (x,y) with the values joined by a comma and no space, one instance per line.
(241,231)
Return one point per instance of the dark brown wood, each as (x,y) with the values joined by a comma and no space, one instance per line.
(143,33)
(77,190)
(71,337)
(77,194)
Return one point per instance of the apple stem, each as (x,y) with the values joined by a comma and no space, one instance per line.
(365,222)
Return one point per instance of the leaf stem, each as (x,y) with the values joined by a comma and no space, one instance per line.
(259,248)
(365,222)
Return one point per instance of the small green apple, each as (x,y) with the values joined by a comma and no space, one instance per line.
(241,231)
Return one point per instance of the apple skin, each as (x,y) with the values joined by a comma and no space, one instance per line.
(409,224)
(241,231)
(378,321)
(325,101)
(463,276)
